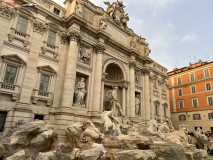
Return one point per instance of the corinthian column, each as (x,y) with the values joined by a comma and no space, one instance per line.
(98,49)
(145,73)
(70,73)
(132,89)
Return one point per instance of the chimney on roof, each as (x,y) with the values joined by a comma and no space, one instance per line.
(200,62)
(175,69)
(190,65)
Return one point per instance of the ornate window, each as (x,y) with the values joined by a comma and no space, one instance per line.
(22,24)
(51,38)
(3,116)
(44,82)
(11,75)
(45,85)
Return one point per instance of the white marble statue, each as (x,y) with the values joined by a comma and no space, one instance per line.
(137,104)
(80,92)
(114,118)
(115,106)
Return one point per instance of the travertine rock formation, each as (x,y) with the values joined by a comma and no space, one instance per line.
(37,140)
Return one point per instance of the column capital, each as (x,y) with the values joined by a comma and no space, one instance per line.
(132,63)
(145,71)
(99,48)
(125,85)
(74,36)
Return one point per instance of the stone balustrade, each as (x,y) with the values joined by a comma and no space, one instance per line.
(42,95)
(11,89)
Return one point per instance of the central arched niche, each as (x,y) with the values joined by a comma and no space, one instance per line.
(114,77)
(114,73)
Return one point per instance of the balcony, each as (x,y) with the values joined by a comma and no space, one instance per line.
(43,96)
(16,37)
(10,89)
(50,51)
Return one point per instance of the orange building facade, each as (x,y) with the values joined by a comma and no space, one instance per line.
(191,97)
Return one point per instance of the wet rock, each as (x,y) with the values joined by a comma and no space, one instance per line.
(134,141)
(17,156)
(44,141)
(96,151)
(130,154)
(46,156)
(168,152)
(19,136)
(177,137)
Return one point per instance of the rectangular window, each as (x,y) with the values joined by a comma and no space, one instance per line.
(10,74)
(193,89)
(44,82)
(179,80)
(196,117)
(210,115)
(208,87)
(206,72)
(210,101)
(192,77)
(180,92)
(182,117)
(56,11)
(39,117)
(194,102)
(3,116)
(51,38)
(181,105)
(22,24)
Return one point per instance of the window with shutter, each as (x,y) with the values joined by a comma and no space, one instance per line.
(44,82)
(22,24)
(10,74)
(51,38)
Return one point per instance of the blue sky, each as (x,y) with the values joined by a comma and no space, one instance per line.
(178,31)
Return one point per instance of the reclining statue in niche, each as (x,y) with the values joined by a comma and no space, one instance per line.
(80,93)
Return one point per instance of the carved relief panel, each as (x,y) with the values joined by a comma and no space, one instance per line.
(85,55)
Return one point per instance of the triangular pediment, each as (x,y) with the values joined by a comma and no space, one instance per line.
(47,69)
(14,58)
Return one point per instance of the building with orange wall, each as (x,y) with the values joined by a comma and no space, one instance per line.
(191,96)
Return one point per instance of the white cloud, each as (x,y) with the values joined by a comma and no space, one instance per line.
(189,37)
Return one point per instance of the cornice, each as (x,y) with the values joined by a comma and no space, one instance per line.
(74,18)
